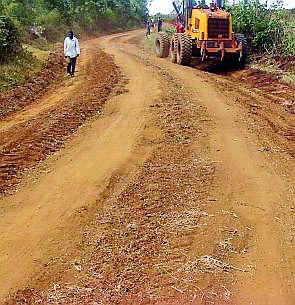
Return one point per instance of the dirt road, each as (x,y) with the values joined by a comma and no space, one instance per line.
(176,188)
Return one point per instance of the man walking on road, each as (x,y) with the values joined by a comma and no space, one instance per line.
(71,51)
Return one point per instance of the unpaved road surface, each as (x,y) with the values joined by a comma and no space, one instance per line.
(144,182)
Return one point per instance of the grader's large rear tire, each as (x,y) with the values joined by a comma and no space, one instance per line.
(162,44)
(184,49)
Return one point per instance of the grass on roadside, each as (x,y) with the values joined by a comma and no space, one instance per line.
(40,54)
(21,68)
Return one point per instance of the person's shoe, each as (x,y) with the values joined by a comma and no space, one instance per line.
(69,74)
(72,75)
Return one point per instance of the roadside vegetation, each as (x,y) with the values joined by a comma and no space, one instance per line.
(18,64)
(52,18)
(29,27)
(20,69)
(271,35)
(269,29)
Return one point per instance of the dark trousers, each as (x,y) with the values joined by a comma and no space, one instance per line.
(71,65)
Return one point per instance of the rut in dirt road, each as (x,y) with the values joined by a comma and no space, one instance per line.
(181,192)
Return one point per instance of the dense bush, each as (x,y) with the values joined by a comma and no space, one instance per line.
(21,67)
(52,25)
(288,42)
(9,38)
(267,29)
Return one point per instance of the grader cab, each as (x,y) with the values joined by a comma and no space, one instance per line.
(202,31)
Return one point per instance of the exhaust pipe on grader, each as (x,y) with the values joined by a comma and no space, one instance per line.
(203,32)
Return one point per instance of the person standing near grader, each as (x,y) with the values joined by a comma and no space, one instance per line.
(71,52)
(160,25)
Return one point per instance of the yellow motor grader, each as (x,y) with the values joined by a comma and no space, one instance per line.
(202,31)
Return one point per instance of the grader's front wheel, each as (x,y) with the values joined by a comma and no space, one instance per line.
(184,49)
(162,44)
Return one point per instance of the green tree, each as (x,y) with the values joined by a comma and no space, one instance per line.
(89,14)
(9,39)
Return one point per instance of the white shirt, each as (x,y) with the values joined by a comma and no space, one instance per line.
(71,47)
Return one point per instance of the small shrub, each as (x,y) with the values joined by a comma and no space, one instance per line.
(170,30)
(52,25)
(288,43)
(20,68)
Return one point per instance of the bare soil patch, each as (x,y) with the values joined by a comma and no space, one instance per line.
(28,143)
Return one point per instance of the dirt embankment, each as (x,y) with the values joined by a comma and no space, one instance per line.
(269,106)
(28,142)
(270,85)
(270,102)
(24,95)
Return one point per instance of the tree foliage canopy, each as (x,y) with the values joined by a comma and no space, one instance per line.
(53,18)
(268,29)
(9,38)
(87,14)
